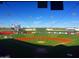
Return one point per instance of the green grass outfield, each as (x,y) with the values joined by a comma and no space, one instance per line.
(74,38)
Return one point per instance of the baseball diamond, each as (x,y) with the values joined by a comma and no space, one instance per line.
(43,36)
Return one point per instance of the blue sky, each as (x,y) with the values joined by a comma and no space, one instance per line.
(28,15)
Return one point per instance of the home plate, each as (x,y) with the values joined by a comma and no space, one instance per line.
(41,42)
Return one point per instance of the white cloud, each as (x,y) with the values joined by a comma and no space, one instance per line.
(39,17)
(75,21)
(37,22)
(71,22)
(30,16)
(74,13)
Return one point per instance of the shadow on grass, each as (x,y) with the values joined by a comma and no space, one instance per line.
(19,49)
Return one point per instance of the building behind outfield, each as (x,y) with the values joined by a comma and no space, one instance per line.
(52,30)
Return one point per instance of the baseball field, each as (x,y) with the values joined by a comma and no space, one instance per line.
(45,38)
